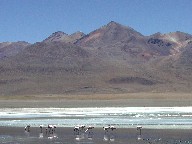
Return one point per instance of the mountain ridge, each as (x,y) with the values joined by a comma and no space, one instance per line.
(111,59)
(63,37)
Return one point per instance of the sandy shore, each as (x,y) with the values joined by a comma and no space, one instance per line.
(98,100)
(17,135)
(92,103)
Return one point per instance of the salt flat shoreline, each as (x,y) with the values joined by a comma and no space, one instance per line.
(94,103)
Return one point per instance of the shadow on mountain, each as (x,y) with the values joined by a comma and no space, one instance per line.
(131,80)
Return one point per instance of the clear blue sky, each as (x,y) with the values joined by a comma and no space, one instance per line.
(34,20)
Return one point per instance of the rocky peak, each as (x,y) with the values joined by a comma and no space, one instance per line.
(77,35)
(118,27)
(59,34)
(56,36)
(63,37)
(113,23)
(111,33)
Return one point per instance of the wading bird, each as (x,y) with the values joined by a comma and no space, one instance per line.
(27,128)
(90,128)
(109,127)
(41,127)
(51,128)
(106,129)
(139,128)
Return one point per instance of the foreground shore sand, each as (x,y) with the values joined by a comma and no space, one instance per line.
(97,136)
(98,100)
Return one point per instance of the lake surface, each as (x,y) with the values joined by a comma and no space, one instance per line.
(122,117)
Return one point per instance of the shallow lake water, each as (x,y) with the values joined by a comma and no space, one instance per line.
(13,121)
(123,117)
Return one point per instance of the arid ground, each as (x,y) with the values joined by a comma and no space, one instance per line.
(99,100)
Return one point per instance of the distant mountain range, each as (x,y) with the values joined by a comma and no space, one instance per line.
(111,59)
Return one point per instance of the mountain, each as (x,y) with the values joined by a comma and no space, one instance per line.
(49,67)
(178,40)
(111,59)
(53,52)
(110,33)
(116,39)
(181,61)
(76,36)
(8,49)
(63,37)
(57,36)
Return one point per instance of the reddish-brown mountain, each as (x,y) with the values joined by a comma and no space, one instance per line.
(109,34)
(111,59)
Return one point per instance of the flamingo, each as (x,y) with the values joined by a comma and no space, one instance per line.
(109,127)
(112,128)
(79,127)
(82,127)
(77,131)
(89,128)
(106,128)
(27,128)
(139,128)
(54,126)
(41,127)
(50,128)
(76,128)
